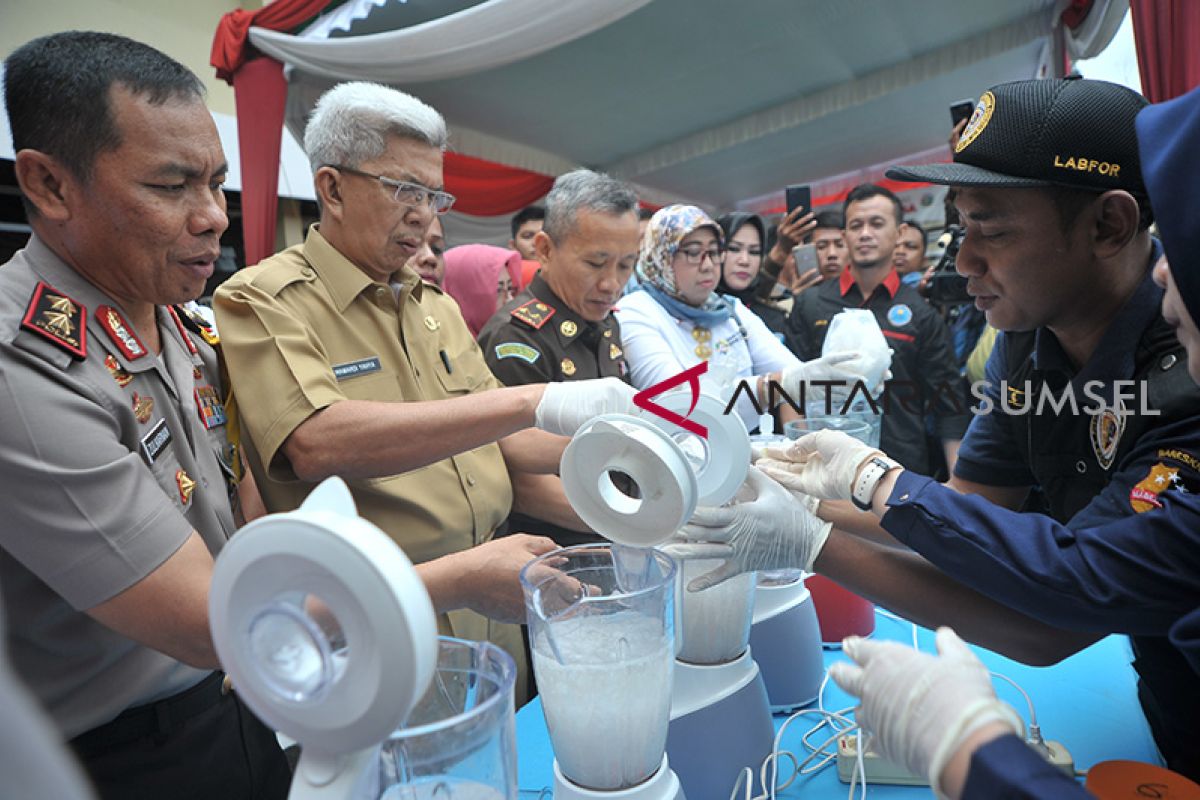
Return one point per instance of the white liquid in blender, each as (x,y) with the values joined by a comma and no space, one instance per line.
(442,789)
(607,708)
(716,622)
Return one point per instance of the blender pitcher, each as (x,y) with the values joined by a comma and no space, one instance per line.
(601,630)
(459,742)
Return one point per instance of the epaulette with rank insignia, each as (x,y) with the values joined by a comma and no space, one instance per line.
(534,313)
(54,316)
(197,324)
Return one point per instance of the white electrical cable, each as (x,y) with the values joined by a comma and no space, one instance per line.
(837,721)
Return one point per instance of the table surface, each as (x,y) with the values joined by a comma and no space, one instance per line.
(1088,702)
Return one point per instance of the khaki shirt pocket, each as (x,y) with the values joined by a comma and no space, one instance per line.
(468,372)
(379,386)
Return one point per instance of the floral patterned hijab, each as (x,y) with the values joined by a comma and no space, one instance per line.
(669,226)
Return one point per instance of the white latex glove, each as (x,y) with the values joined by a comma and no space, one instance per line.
(773,531)
(920,707)
(567,405)
(823,464)
(832,367)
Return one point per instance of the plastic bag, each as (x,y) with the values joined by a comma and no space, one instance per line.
(856,329)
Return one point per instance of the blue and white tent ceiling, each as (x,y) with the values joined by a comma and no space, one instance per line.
(709,101)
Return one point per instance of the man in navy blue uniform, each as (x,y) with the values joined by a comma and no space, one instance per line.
(1057,253)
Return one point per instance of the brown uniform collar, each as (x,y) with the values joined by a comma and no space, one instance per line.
(344,280)
(542,291)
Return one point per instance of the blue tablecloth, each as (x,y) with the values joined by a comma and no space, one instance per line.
(1088,702)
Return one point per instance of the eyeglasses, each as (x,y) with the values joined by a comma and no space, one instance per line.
(695,254)
(409,194)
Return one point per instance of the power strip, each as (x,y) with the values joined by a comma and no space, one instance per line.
(880,770)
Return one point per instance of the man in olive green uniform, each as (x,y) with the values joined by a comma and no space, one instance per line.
(116,468)
(345,363)
(561,328)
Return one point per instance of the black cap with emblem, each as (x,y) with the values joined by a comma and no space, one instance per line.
(1070,132)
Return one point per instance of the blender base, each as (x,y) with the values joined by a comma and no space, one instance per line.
(720,723)
(786,641)
(662,785)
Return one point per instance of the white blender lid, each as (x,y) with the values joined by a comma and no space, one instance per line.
(322,624)
(638,448)
(722,460)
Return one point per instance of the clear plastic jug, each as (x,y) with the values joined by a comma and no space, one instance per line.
(601,629)
(715,623)
(460,741)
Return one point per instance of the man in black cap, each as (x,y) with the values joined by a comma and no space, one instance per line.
(1058,255)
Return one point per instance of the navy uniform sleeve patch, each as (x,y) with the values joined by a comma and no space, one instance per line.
(56,317)
(517,350)
(535,313)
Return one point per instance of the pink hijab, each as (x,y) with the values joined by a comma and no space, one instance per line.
(472,272)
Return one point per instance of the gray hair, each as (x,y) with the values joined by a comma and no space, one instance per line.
(352,122)
(583,188)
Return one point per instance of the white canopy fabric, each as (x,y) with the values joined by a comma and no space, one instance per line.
(705,101)
(478,38)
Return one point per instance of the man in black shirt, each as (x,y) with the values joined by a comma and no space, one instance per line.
(924,375)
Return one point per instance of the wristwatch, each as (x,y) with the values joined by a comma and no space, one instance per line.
(868,478)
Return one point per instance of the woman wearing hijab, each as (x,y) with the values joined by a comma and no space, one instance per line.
(741,275)
(677,319)
(481,278)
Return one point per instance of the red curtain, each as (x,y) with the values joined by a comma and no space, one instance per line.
(260,93)
(230,44)
(487,189)
(1167,36)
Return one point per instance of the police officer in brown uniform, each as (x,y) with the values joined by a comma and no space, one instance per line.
(345,363)
(113,451)
(561,327)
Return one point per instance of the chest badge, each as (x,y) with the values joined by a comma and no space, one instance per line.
(568,328)
(54,316)
(614,352)
(432,324)
(1106,429)
(900,315)
(212,411)
(568,367)
(186,486)
(118,373)
(143,407)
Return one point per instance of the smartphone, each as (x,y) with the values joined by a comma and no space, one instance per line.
(798,197)
(961,110)
(806,258)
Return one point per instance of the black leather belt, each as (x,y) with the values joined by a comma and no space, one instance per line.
(159,718)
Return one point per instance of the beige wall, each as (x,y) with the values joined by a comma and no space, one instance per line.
(181,28)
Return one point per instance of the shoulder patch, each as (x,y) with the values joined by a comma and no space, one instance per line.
(535,313)
(517,350)
(56,317)
(272,276)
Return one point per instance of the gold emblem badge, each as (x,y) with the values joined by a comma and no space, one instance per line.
(614,352)
(1106,429)
(568,328)
(186,486)
(702,335)
(568,367)
(608,334)
(979,120)
(703,351)
(114,368)
(432,324)
(143,407)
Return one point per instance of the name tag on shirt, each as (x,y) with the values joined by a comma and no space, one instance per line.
(154,442)
(363,366)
